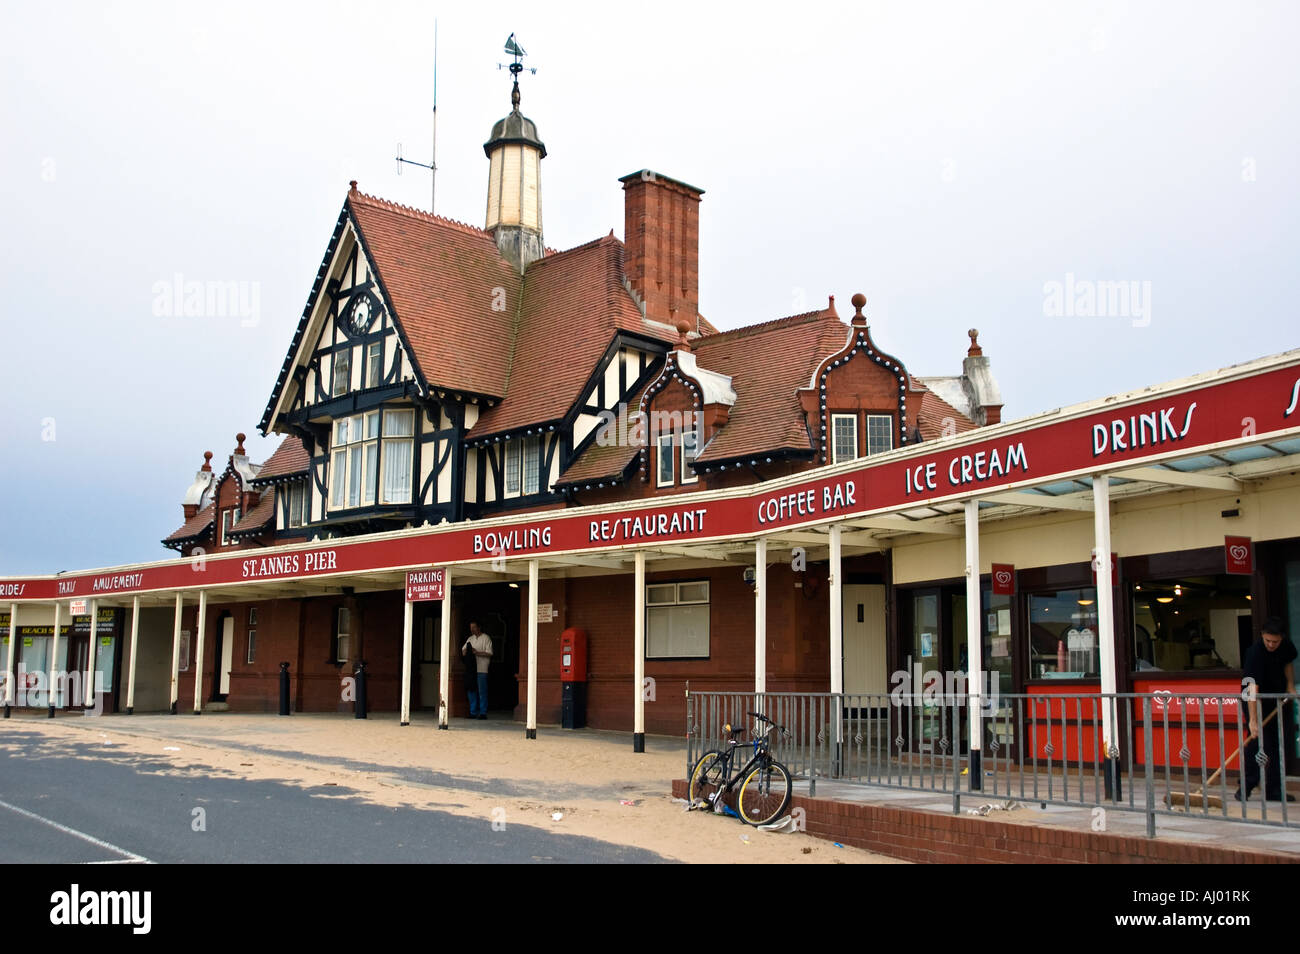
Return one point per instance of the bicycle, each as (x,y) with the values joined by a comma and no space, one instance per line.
(765,786)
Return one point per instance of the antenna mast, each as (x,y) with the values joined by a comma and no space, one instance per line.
(433,165)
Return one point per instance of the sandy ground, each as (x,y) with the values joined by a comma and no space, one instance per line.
(485,771)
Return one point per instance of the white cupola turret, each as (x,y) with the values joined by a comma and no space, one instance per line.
(514,200)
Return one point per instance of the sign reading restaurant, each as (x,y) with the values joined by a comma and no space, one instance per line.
(1238,410)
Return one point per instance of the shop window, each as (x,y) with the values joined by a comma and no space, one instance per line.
(1063,635)
(342,372)
(252,646)
(880,433)
(374,364)
(342,634)
(677,620)
(844,437)
(1191,623)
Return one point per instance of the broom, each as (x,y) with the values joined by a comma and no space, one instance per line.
(1200,799)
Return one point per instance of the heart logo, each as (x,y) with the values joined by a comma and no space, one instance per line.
(1238,552)
(1003,577)
(1162,697)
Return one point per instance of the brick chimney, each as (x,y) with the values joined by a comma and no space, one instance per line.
(661,236)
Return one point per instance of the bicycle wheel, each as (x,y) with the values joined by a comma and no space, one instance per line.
(765,794)
(707,777)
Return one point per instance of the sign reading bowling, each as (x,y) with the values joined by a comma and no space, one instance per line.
(423,585)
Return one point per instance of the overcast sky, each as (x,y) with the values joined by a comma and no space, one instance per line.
(951,161)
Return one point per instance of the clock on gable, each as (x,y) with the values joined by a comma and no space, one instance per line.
(362,310)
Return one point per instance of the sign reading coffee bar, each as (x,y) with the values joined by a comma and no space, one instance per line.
(1239,410)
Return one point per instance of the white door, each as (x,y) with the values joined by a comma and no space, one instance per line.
(864,639)
(227,652)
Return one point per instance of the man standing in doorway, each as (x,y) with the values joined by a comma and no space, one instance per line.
(479,648)
(1268,668)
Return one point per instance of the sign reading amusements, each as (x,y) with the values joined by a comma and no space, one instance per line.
(1242,408)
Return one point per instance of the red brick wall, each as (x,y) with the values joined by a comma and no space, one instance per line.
(661,235)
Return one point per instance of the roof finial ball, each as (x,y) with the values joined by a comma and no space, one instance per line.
(975,350)
(239,444)
(859,302)
(683,329)
(207,460)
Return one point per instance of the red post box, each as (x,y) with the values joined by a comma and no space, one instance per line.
(573,655)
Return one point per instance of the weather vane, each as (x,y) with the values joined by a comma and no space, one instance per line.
(515,67)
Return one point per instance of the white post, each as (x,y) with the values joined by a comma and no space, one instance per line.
(135,642)
(1105,607)
(530,730)
(638,653)
(176,655)
(11,690)
(837,641)
(974,644)
(54,655)
(406,664)
(88,690)
(198,651)
(444,667)
(760,617)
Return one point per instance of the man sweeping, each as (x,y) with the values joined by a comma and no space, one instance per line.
(1269,667)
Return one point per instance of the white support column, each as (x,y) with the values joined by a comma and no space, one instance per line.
(407,617)
(836,613)
(531,730)
(199,624)
(176,655)
(1105,604)
(11,682)
(638,653)
(760,616)
(54,656)
(135,643)
(444,666)
(974,644)
(88,687)
(837,640)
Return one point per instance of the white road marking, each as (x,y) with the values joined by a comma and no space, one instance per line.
(131,856)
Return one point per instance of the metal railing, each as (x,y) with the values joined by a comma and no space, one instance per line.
(1049,748)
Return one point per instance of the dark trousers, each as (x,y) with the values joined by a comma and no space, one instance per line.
(1273,769)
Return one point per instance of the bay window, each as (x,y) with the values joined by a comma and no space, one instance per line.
(372,454)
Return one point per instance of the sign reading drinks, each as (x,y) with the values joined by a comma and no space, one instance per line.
(1253,407)
(423,585)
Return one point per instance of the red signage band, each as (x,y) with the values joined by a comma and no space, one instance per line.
(1122,435)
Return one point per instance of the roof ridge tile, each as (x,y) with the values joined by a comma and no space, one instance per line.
(413,212)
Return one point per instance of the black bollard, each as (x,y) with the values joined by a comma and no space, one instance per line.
(360,674)
(284,688)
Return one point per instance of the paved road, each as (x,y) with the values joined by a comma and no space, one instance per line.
(67,802)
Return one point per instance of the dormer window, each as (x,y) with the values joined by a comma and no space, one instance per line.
(880,433)
(844,437)
(297,497)
(229,518)
(665,469)
(690,450)
(342,372)
(523,460)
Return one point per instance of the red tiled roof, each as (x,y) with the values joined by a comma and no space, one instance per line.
(574,302)
(442,279)
(768,364)
(290,457)
(934,415)
(196,526)
(259,516)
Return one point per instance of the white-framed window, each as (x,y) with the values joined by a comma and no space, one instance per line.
(690,450)
(252,646)
(342,372)
(297,500)
(399,456)
(513,452)
(229,518)
(844,437)
(532,464)
(677,620)
(664,469)
(252,616)
(880,433)
(342,633)
(374,363)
